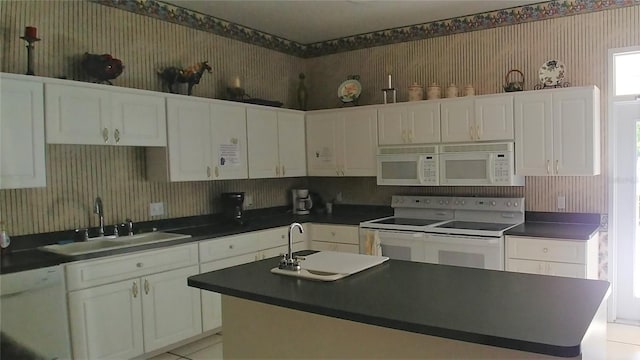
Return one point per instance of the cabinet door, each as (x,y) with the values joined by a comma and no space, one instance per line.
(262,140)
(578,271)
(189,138)
(423,123)
(211,301)
(170,309)
(138,120)
(494,118)
(321,144)
(356,143)
(327,246)
(77,115)
(392,126)
(576,126)
(106,321)
(22,163)
(533,133)
(456,120)
(291,144)
(229,142)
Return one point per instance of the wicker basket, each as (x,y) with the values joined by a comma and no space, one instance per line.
(514,85)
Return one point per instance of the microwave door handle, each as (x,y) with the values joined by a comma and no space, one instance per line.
(420,167)
(491,168)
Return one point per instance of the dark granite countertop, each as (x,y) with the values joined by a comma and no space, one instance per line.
(27,257)
(558,226)
(497,308)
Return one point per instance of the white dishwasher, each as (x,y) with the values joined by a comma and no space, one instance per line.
(34,313)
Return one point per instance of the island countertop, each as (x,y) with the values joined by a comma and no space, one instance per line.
(533,313)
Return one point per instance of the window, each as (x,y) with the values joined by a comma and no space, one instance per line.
(627,73)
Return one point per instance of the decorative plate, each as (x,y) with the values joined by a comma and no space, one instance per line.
(349,90)
(552,73)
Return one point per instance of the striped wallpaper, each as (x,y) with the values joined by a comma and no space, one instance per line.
(76,174)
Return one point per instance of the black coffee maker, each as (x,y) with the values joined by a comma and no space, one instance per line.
(232,206)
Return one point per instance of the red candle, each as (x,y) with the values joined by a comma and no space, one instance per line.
(30,32)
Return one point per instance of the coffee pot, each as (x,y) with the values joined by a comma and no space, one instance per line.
(302,202)
(232,206)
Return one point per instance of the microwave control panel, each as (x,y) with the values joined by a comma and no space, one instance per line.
(430,170)
(502,168)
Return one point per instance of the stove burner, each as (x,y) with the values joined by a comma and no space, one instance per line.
(406,221)
(470,225)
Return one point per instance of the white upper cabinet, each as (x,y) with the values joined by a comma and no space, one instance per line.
(22,154)
(558,132)
(206,141)
(91,115)
(485,118)
(409,124)
(275,143)
(342,142)
(229,141)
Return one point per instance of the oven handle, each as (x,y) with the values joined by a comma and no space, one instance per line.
(464,240)
(492,165)
(420,167)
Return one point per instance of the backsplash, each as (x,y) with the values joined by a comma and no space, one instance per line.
(76,174)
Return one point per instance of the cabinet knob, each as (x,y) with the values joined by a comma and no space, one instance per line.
(545,250)
(333,233)
(557,163)
(277,170)
(478,132)
(471,132)
(283,170)
(548,167)
(208,171)
(105,135)
(216,171)
(146,286)
(134,289)
(116,135)
(139,265)
(231,246)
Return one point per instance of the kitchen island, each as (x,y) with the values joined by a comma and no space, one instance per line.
(403,309)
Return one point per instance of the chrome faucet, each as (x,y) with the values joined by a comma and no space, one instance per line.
(98,210)
(288,262)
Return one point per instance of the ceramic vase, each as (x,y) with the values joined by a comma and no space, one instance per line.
(416,92)
(452,91)
(433,91)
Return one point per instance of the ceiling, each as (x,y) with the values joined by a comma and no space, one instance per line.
(309,21)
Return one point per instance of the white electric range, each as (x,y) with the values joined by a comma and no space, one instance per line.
(462,231)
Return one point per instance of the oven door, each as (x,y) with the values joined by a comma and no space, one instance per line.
(469,251)
(399,245)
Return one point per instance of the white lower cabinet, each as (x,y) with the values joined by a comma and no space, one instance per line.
(224,252)
(342,238)
(558,257)
(124,306)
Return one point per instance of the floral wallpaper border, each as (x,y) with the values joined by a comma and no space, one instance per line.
(516,15)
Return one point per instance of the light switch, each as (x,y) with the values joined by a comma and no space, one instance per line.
(561,202)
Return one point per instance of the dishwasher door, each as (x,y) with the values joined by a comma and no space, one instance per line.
(34,314)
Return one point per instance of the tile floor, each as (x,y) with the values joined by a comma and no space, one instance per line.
(623,344)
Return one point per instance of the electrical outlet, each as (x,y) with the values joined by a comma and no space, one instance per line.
(156,209)
(248,201)
(561,202)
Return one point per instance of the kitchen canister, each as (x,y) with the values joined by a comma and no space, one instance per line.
(433,91)
(416,92)
(469,90)
(452,91)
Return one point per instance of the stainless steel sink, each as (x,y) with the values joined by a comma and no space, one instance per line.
(111,242)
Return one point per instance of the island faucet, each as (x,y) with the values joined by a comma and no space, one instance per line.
(98,210)
(288,262)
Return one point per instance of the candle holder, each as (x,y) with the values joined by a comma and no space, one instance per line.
(389,89)
(30,40)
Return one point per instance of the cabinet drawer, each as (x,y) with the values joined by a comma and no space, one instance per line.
(331,246)
(228,246)
(271,238)
(546,249)
(547,268)
(97,272)
(335,233)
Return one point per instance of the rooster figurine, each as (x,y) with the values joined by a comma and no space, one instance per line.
(103,67)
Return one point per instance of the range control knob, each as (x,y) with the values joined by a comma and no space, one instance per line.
(440,202)
(428,201)
(457,202)
(493,203)
(508,203)
(515,204)
(446,202)
(462,202)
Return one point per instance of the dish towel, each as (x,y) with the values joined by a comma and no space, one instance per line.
(377,245)
(372,244)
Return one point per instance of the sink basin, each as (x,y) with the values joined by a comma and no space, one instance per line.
(331,265)
(110,243)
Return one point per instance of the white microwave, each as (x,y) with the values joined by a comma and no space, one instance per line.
(409,165)
(485,164)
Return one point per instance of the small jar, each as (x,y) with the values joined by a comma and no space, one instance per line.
(452,91)
(416,92)
(469,91)
(433,91)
